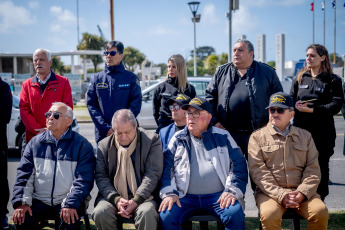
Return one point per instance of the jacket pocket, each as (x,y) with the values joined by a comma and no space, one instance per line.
(273,156)
(299,154)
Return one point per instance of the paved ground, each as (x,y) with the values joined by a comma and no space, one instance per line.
(335,200)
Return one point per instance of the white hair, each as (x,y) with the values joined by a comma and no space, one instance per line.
(47,52)
(69,112)
(123,116)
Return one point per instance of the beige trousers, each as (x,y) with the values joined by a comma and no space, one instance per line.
(145,216)
(313,210)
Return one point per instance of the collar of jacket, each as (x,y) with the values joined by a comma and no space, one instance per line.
(320,76)
(114,68)
(46,138)
(52,79)
(292,132)
(173,81)
(185,133)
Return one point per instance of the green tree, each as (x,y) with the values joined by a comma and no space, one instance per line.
(92,42)
(223,58)
(211,63)
(202,52)
(338,60)
(164,68)
(201,71)
(57,65)
(272,64)
(132,57)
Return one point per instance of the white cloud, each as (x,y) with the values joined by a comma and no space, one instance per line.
(209,14)
(33,4)
(161,30)
(13,18)
(243,22)
(64,21)
(251,3)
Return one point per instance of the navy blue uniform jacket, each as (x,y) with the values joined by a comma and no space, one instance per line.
(110,90)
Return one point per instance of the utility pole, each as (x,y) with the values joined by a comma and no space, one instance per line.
(233,5)
(112,20)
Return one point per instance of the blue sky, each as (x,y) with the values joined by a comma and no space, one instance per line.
(160,28)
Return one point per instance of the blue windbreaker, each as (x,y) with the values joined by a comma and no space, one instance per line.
(110,90)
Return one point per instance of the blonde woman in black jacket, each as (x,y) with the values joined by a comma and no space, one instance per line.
(318,96)
(175,83)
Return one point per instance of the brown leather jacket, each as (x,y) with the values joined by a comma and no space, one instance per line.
(279,165)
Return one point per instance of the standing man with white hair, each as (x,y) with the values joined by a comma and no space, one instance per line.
(39,92)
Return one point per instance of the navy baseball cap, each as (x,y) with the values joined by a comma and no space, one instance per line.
(180,99)
(199,104)
(281,100)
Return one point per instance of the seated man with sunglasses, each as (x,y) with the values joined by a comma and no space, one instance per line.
(177,113)
(283,163)
(204,172)
(55,175)
(113,89)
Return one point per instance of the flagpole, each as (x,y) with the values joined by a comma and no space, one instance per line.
(335,31)
(313,23)
(324,23)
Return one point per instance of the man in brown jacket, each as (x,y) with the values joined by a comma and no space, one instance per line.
(128,169)
(283,162)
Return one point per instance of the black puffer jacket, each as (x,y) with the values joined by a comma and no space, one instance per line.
(262,82)
(163,92)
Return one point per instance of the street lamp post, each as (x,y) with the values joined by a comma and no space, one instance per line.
(196,18)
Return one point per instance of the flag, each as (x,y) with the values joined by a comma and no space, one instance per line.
(312,6)
(323,6)
(333,4)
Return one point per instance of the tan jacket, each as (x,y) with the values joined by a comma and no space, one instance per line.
(279,165)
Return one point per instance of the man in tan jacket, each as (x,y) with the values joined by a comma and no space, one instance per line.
(283,162)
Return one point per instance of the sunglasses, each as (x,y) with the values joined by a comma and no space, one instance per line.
(177,107)
(279,110)
(56,115)
(112,53)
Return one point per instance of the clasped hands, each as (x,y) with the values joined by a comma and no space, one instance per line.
(126,207)
(293,199)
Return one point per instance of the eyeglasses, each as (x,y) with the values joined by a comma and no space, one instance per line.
(177,107)
(112,53)
(195,114)
(56,115)
(279,110)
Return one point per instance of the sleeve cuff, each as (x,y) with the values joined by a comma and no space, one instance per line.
(138,199)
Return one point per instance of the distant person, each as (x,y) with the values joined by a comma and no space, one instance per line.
(283,164)
(318,96)
(112,89)
(204,172)
(175,83)
(239,92)
(5,117)
(175,105)
(129,167)
(39,92)
(55,174)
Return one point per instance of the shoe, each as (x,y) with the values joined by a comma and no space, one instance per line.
(4,222)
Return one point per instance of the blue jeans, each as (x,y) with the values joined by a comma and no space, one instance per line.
(232,217)
(41,211)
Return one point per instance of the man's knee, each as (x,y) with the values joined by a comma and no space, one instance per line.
(270,214)
(319,213)
(233,213)
(104,211)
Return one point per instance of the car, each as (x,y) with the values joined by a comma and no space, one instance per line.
(14,139)
(145,117)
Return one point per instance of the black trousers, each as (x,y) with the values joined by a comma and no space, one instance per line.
(5,192)
(242,140)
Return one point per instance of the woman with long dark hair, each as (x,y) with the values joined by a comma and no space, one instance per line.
(318,96)
(175,83)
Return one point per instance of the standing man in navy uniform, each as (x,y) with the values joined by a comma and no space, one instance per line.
(112,89)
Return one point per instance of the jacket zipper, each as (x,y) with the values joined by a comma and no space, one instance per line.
(53,188)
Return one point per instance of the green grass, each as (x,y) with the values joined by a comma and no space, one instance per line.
(336,222)
(79,107)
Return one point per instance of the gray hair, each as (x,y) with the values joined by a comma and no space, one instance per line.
(249,45)
(123,116)
(47,52)
(69,112)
